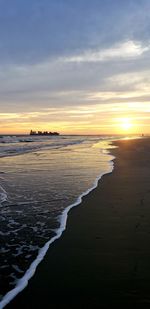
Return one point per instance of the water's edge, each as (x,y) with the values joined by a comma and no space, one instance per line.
(23,282)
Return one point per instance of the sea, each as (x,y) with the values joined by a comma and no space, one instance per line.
(41,179)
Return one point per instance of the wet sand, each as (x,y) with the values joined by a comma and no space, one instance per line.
(103,257)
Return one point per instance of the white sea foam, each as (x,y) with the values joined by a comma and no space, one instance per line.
(3,196)
(12,145)
(22,283)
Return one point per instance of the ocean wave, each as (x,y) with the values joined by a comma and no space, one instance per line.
(27,144)
(22,282)
(3,196)
(43,225)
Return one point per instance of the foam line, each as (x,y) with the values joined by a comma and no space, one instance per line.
(3,195)
(22,283)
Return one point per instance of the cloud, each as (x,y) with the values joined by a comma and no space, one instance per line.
(124,50)
(93,118)
(85,95)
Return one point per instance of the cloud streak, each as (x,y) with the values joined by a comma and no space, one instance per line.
(125,50)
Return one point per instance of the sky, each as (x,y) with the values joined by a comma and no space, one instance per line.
(76,67)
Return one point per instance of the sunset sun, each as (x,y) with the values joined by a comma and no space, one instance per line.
(126,124)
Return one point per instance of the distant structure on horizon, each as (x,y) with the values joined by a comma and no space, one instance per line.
(43,133)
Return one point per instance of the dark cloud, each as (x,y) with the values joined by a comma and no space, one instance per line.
(31,31)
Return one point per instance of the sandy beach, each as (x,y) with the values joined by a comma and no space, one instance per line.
(103,257)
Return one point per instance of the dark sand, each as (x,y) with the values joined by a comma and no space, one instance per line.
(103,258)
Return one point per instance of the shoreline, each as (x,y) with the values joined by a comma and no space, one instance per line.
(61,250)
(24,281)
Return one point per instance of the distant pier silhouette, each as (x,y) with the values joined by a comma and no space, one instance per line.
(43,133)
